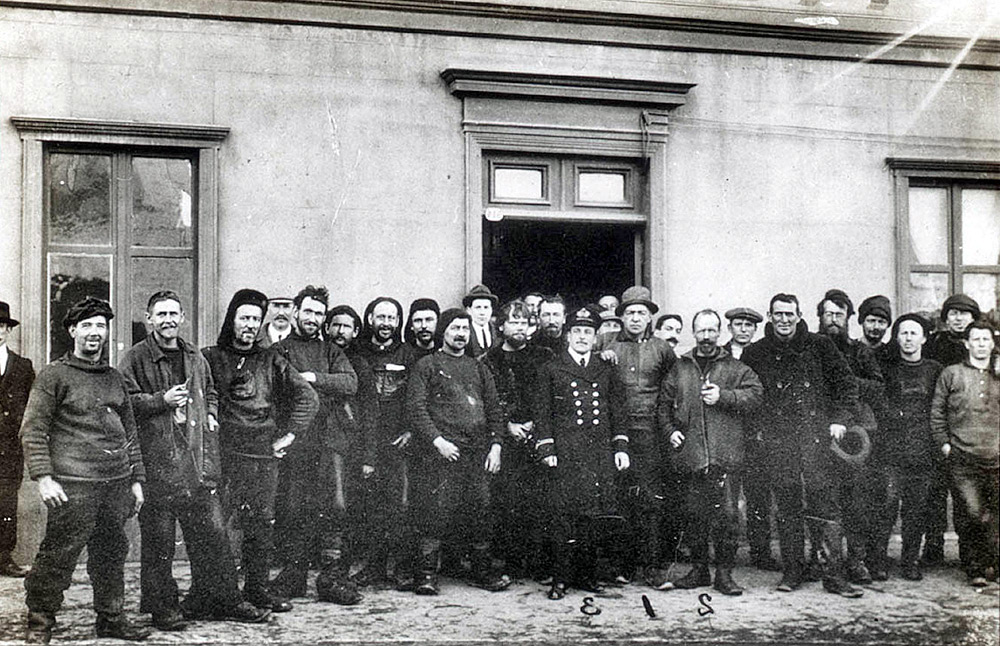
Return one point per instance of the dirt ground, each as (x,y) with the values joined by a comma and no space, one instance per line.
(942,609)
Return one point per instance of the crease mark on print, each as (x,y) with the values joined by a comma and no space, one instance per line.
(347,175)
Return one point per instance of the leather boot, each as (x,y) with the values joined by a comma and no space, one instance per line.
(427,562)
(724,582)
(698,577)
(333,585)
(290,582)
(834,580)
(483,574)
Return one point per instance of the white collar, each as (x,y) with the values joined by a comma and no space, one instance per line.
(577,356)
(275,335)
(3,357)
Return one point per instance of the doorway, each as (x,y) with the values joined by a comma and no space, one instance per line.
(580,261)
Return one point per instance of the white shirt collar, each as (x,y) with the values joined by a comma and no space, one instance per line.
(276,335)
(577,356)
(3,358)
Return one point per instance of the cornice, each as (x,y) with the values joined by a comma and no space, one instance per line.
(555,87)
(98,128)
(466,18)
(918,165)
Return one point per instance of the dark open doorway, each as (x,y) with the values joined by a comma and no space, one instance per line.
(581,261)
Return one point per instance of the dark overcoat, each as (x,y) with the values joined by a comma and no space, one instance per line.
(808,386)
(14,388)
(580,421)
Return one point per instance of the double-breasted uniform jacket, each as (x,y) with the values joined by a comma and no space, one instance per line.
(807,387)
(580,420)
(15,385)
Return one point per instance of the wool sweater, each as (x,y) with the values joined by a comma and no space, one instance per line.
(965,412)
(79,424)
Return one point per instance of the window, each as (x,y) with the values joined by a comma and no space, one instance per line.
(948,216)
(116,210)
(566,188)
(119,225)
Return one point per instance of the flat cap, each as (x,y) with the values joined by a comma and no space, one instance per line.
(747,313)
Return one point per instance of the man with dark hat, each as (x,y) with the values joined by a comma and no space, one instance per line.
(875,316)
(264,404)
(81,447)
(703,405)
(641,362)
(16,376)
(809,398)
(176,407)
(902,450)
(743,322)
(480,303)
(581,436)
(453,406)
(947,347)
(388,483)
(855,481)
(352,440)
(517,491)
(303,474)
(421,325)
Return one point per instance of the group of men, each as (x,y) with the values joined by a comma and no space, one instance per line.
(494,442)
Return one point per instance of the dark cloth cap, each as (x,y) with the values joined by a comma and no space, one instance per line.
(839,297)
(241,297)
(608,315)
(912,316)
(366,333)
(478,292)
(419,305)
(587,316)
(854,448)
(447,317)
(876,305)
(337,310)
(5,315)
(960,302)
(637,295)
(86,308)
(747,313)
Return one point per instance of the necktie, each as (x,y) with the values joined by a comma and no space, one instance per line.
(583,362)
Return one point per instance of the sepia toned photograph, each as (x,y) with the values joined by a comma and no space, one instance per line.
(500,321)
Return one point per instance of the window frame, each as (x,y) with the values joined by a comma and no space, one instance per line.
(954,176)
(40,136)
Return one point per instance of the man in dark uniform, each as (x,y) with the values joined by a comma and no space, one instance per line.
(809,398)
(388,480)
(642,362)
(517,490)
(264,404)
(16,377)
(353,444)
(303,474)
(580,422)
(81,446)
(855,480)
(453,405)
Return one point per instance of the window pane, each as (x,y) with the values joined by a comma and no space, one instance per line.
(161,202)
(927,292)
(929,225)
(980,227)
(519,183)
(71,278)
(604,188)
(985,288)
(80,199)
(150,275)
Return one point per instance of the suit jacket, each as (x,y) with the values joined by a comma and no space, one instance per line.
(475,349)
(14,388)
